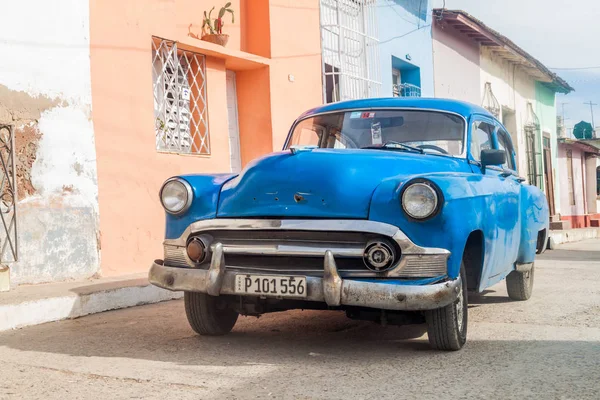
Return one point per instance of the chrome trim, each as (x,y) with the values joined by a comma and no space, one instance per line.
(331,289)
(407,247)
(300,148)
(188,188)
(307,249)
(463,154)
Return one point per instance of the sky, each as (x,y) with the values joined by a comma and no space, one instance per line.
(559,33)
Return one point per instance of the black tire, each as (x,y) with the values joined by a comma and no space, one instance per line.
(519,285)
(447,326)
(208,315)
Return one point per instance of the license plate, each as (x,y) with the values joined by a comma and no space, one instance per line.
(268,285)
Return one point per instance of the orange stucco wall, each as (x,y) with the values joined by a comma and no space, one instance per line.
(130,170)
(295,50)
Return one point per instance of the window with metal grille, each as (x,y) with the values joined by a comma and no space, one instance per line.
(180,108)
(533,143)
(349,43)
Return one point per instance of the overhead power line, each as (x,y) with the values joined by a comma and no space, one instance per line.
(575,68)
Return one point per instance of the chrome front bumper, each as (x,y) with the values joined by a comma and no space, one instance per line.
(331,288)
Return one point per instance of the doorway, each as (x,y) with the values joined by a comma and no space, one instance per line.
(233,129)
(548,177)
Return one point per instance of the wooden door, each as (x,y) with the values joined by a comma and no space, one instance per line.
(549,181)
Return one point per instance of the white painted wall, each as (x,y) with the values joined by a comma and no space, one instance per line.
(513,88)
(47,55)
(456,65)
(461,70)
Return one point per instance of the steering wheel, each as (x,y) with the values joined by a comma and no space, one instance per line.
(432,147)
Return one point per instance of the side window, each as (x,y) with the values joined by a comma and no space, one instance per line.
(308,137)
(505,144)
(481,138)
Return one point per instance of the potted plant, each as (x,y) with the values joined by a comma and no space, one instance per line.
(212,29)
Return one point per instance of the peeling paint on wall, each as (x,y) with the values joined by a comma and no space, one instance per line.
(27,139)
(19,106)
(45,92)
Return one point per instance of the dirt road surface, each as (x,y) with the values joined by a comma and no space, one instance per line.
(545,348)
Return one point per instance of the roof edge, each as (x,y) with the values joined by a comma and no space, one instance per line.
(557,83)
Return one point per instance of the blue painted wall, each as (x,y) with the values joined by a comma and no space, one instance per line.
(410,19)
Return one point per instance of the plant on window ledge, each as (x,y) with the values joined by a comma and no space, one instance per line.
(212,29)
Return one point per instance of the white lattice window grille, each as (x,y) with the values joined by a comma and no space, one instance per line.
(350,49)
(180,107)
(406,90)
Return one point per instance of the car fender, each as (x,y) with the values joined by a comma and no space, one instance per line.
(470,204)
(535,217)
(207,189)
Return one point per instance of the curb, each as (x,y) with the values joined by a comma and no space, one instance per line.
(571,235)
(81,301)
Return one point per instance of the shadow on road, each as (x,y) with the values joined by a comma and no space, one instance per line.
(160,332)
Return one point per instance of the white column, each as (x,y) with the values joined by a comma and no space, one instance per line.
(591,184)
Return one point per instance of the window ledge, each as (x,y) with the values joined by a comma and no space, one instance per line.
(235,60)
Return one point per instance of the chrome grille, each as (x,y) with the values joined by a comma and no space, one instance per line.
(175,256)
(294,251)
(301,252)
(423,266)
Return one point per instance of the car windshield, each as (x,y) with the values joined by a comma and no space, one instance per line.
(404,130)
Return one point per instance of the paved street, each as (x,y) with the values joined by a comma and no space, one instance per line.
(548,347)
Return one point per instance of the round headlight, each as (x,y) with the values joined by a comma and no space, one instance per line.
(176,195)
(419,200)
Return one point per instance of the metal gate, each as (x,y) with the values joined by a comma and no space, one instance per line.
(533,147)
(8,196)
(350,49)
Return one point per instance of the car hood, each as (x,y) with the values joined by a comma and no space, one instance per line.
(322,183)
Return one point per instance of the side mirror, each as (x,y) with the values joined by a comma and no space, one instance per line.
(492,157)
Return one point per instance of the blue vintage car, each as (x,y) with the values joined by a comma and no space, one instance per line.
(388,209)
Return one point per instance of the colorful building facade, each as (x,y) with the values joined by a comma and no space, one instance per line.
(472,62)
(123,95)
(577,165)
(379,48)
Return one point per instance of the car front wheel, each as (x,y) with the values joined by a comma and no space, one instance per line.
(447,326)
(209,315)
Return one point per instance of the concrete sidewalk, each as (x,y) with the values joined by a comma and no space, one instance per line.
(558,237)
(36,304)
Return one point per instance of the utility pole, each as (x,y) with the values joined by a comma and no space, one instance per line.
(592,111)
(564,120)
(562,105)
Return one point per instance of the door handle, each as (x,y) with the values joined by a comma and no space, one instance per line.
(520,179)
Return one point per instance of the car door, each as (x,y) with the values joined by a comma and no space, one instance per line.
(500,213)
(509,220)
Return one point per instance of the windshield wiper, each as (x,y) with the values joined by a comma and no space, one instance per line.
(397,145)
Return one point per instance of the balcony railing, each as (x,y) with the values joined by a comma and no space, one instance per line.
(406,90)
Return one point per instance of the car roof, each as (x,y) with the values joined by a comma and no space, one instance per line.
(459,107)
